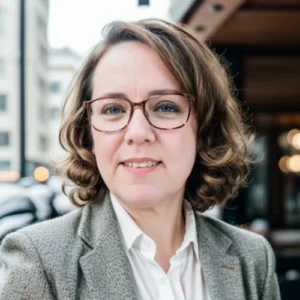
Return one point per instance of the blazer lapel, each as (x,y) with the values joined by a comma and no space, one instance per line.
(106,267)
(222,272)
(107,270)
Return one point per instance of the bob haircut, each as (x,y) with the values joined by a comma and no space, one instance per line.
(222,161)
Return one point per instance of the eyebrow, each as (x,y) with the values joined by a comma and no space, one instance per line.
(151,93)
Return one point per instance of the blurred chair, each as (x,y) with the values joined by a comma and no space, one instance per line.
(16,212)
(42,196)
(30,202)
(61,203)
(27,182)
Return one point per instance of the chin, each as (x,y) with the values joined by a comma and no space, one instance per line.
(140,197)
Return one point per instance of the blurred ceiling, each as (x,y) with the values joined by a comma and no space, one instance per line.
(255,23)
(267,36)
(263,23)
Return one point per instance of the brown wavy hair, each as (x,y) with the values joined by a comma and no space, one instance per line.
(222,161)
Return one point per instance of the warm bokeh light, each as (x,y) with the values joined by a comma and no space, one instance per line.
(291,135)
(293,163)
(41,174)
(9,175)
(296,141)
(283,164)
(282,141)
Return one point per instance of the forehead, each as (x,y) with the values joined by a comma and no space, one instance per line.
(131,67)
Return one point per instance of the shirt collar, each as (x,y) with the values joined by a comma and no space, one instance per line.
(131,231)
(190,230)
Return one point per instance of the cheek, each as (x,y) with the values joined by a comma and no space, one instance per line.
(104,147)
(181,147)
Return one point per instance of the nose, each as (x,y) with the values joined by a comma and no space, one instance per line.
(139,130)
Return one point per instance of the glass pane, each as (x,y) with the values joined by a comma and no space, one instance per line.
(257,197)
(289,165)
(292,200)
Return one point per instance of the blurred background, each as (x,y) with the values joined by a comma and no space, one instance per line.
(43,43)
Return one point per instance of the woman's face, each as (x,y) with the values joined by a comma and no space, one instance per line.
(134,69)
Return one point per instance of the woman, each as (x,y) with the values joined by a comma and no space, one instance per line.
(154,138)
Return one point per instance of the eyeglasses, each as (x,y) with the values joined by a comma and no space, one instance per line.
(163,111)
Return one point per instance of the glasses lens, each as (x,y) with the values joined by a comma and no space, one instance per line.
(110,114)
(167,111)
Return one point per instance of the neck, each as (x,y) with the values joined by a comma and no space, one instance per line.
(165,225)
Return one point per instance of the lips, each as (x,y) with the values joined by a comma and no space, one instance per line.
(140,162)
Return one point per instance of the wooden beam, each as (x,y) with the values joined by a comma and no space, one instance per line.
(263,28)
(272,82)
(211,15)
(273,3)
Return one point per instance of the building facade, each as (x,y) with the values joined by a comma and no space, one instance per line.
(36,72)
(63,64)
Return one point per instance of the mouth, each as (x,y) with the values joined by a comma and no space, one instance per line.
(141,165)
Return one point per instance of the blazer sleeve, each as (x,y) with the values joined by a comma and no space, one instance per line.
(271,287)
(21,272)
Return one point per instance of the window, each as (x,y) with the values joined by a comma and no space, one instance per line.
(2,66)
(55,87)
(4,138)
(42,25)
(3,102)
(1,20)
(257,197)
(42,112)
(43,54)
(46,3)
(54,113)
(144,2)
(42,84)
(43,141)
(5,165)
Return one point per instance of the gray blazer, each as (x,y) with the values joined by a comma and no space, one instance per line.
(81,256)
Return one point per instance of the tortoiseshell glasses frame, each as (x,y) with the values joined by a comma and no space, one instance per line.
(189,98)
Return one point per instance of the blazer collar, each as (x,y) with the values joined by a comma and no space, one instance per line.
(221,267)
(106,266)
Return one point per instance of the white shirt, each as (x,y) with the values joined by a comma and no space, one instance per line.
(184,280)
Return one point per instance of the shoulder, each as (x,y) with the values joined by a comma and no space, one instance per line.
(253,251)
(48,234)
(244,242)
(60,227)
(31,256)
(42,248)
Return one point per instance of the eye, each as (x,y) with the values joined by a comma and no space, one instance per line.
(167,108)
(113,110)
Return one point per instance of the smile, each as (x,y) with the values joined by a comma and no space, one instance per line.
(141,164)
